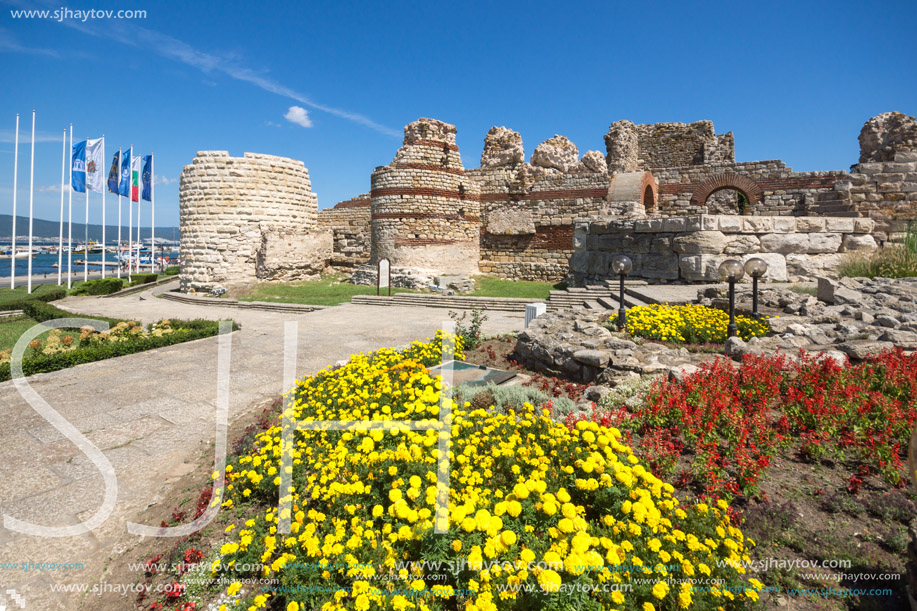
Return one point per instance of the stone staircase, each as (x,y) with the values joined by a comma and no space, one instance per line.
(597,296)
(831,203)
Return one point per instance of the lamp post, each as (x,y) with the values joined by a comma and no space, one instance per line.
(731,271)
(622,265)
(756,268)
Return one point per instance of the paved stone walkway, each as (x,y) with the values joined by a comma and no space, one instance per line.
(150,413)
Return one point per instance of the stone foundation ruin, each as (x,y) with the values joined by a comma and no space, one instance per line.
(560,215)
(247,219)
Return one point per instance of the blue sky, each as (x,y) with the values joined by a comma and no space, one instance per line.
(794,81)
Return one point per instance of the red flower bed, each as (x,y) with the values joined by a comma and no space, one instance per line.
(729,420)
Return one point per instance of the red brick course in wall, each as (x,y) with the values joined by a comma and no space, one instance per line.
(546,195)
(765,184)
(546,237)
(414,191)
(425,215)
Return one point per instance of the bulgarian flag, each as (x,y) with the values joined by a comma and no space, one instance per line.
(135,179)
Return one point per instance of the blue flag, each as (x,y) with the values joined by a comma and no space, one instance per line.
(113,173)
(78,169)
(124,187)
(147,177)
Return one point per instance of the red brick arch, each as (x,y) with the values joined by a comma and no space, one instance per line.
(752,191)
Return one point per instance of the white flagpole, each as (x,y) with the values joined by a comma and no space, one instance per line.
(118,249)
(104,188)
(60,239)
(86,229)
(152,217)
(70,217)
(15,185)
(139,210)
(130,213)
(31,199)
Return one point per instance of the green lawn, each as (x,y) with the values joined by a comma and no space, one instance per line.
(9,296)
(333,290)
(11,328)
(325,292)
(488,286)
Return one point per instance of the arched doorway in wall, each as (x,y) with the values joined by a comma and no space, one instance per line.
(727,194)
(727,201)
(649,199)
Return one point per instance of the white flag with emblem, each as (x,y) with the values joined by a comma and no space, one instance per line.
(94,165)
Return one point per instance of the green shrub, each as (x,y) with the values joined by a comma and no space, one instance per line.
(99,286)
(42,312)
(183,331)
(171,271)
(40,294)
(138,279)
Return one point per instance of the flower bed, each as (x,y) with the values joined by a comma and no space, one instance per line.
(729,421)
(694,324)
(63,348)
(539,513)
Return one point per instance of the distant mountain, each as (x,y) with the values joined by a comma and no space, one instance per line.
(48,230)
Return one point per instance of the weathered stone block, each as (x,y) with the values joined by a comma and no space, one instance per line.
(839,225)
(661,266)
(785,243)
(861,225)
(674,224)
(742,244)
(862,241)
(824,243)
(757,224)
(805,224)
(648,225)
(784,224)
(697,268)
(729,224)
(700,242)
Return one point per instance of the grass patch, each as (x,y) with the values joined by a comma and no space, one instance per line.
(11,328)
(11,299)
(893,261)
(489,286)
(804,289)
(329,291)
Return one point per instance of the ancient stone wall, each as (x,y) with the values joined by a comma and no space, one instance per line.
(349,221)
(529,208)
(690,248)
(425,212)
(236,214)
(666,145)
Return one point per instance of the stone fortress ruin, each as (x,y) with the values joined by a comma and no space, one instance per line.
(669,195)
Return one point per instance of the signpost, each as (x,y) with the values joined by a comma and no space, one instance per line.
(384,277)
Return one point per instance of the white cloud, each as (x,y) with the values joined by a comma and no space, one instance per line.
(164,180)
(272,124)
(53,189)
(228,64)
(299,116)
(8,136)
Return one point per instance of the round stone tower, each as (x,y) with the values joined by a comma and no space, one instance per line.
(247,219)
(425,213)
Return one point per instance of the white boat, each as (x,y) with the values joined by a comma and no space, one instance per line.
(22,254)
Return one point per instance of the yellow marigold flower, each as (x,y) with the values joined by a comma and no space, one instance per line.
(549,580)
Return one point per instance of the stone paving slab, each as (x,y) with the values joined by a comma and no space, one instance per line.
(151,412)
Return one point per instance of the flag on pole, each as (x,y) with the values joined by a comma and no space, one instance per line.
(147,176)
(113,173)
(78,180)
(124,187)
(94,165)
(135,179)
